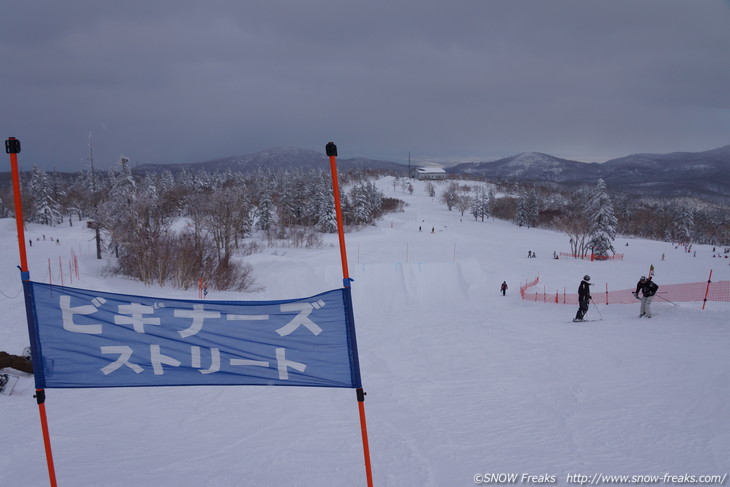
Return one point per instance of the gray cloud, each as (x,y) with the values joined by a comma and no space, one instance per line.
(186,81)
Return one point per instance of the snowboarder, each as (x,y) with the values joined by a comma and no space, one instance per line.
(16,362)
(503,288)
(584,298)
(648,289)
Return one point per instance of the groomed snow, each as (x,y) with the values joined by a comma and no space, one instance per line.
(460,380)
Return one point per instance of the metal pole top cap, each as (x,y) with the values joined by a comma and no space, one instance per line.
(12,146)
(331,149)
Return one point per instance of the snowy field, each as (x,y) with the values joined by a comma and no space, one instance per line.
(461,382)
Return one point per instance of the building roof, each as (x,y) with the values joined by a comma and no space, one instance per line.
(431,170)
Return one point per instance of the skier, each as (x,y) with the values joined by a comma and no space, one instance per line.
(648,289)
(503,288)
(584,297)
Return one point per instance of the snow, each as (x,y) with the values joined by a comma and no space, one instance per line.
(460,380)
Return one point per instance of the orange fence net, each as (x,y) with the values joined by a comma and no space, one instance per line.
(687,292)
(592,257)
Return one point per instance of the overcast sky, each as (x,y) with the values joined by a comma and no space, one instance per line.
(187,81)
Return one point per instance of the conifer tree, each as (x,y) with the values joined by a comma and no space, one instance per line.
(522,216)
(45,208)
(602,220)
(683,223)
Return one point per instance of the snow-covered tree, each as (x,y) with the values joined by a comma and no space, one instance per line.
(532,207)
(360,205)
(522,212)
(480,207)
(602,221)
(451,195)
(116,214)
(325,205)
(265,211)
(430,189)
(683,223)
(45,207)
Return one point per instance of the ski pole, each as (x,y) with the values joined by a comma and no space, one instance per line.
(668,301)
(596,306)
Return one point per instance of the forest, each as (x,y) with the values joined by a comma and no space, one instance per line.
(176,228)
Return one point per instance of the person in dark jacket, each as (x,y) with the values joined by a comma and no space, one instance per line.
(584,298)
(648,289)
(503,288)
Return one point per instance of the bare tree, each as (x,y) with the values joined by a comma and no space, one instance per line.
(94,197)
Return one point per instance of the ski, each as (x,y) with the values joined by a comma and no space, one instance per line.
(7,383)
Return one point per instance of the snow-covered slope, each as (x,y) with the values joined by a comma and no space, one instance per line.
(461,381)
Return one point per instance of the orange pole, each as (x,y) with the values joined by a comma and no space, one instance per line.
(12,147)
(365,445)
(331,150)
(707,291)
(332,153)
(41,396)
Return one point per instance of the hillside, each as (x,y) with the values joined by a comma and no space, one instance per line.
(698,174)
(286,158)
(461,381)
(703,175)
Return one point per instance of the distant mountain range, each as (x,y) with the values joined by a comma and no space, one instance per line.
(705,174)
(701,174)
(288,158)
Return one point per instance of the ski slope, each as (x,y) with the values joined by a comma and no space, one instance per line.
(461,381)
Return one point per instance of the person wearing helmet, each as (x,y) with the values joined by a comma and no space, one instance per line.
(584,298)
(648,289)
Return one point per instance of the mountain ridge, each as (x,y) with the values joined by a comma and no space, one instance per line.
(705,174)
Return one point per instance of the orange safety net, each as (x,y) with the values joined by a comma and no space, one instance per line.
(528,285)
(687,292)
(592,257)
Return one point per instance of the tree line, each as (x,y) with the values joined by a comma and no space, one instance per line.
(591,217)
(179,228)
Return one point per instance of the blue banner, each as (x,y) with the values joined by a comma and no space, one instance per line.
(85,338)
